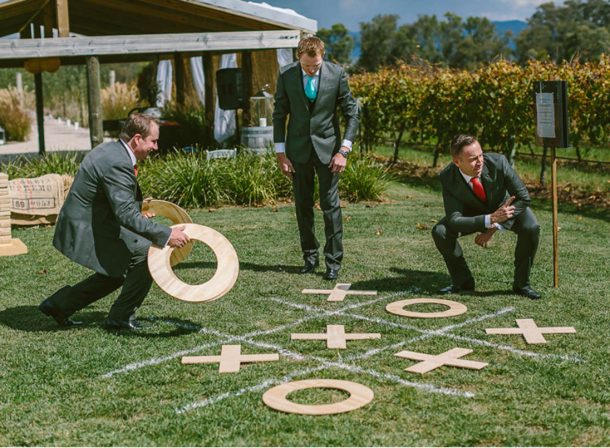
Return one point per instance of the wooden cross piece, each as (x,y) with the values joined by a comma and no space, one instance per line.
(339,292)
(335,336)
(448,358)
(230,359)
(530,331)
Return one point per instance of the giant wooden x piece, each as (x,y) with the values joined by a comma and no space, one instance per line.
(448,358)
(339,292)
(530,331)
(230,359)
(335,336)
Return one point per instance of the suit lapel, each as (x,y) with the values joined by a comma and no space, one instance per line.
(299,82)
(488,184)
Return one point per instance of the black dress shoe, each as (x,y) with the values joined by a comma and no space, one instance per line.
(129,325)
(527,291)
(467,286)
(48,309)
(331,274)
(309,266)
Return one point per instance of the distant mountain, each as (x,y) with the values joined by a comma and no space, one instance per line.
(514,26)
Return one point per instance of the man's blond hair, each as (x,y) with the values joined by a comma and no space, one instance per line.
(312,46)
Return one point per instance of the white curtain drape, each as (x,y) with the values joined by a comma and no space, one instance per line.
(198,77)
(164,82)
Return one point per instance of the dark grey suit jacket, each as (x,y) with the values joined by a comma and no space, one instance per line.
(320,125)
(100,224)
(464,212)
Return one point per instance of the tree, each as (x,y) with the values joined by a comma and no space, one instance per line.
(377,39)
(339,44)
(575,30)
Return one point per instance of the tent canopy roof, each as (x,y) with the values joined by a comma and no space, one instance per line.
(121,17)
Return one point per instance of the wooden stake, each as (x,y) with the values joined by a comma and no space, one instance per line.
(555,218)
(95,102)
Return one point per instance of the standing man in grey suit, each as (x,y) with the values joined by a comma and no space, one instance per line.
(309,93)
(482,193)
(100,226)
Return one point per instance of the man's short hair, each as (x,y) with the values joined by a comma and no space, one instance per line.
(311,46)
(460,141)
(137,124)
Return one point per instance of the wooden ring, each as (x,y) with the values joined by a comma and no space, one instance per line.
(276,399)
(455,308)
(177,215)
(222,281)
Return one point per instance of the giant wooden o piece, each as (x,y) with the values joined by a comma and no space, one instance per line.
(176,215)
(455,308)
(276,399)
(222,281)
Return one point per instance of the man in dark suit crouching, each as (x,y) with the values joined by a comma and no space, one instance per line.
(101,227)
(482,193)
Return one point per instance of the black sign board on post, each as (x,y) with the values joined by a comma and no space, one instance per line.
(552,124)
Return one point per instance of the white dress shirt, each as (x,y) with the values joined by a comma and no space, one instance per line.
(488,223)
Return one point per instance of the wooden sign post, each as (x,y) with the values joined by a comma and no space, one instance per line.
(551,100)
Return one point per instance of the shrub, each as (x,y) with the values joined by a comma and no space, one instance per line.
(191,181)
(59,163)
(118,99)
(14,118)
(364,179)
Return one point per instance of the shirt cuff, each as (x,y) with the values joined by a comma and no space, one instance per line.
(488,224)
(280,147)
(347,144)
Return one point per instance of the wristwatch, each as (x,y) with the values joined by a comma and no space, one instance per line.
(344,153)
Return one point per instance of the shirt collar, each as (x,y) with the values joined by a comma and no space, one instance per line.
(466,176)
(134,161)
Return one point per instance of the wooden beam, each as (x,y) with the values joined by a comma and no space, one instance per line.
(246,66)
(95,103)
(62,18)
(150,44)
(179,78)
(209,74)
(39,112)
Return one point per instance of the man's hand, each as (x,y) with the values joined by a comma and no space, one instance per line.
(285,165)
(338,162)
(504,213)
(148,214)
(483,238)
(178,238)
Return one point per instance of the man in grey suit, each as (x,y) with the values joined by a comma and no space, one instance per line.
(482,193)
(101,227)
(308,94)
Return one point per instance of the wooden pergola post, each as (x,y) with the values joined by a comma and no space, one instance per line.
(210,95)
(179,79)
(62,18)
(95,103)
(246,64)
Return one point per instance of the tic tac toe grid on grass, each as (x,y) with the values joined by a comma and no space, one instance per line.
(347,363)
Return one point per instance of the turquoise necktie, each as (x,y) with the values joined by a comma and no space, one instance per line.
(310,89)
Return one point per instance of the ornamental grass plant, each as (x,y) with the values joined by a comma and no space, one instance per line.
(14,115)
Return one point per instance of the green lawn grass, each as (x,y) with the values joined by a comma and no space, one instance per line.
(85,386)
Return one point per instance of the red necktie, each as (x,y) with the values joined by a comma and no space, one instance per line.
(135,170)
(478,189)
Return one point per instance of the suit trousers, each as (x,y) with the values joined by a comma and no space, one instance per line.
(136,283)
(303,186)
(528,235)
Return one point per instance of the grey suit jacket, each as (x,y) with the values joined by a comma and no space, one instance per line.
(464,212)
(318,126)
(100,224)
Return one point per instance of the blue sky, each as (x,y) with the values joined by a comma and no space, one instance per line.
(352,12)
